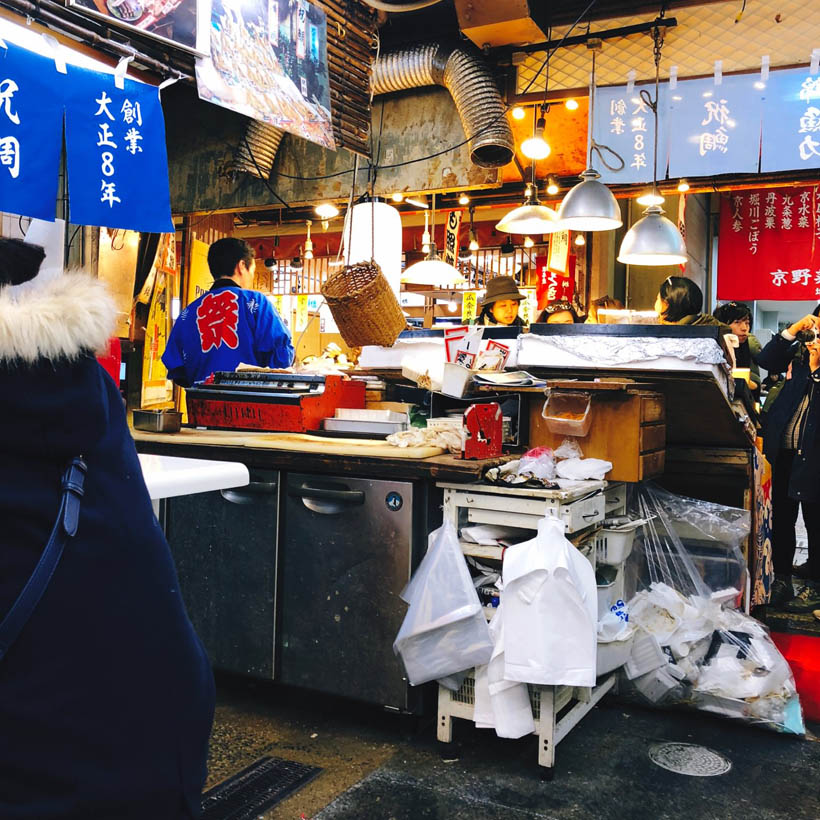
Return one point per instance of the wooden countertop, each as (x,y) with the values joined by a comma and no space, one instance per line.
(236,446)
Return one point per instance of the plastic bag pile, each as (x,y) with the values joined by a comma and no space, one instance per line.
(692,647)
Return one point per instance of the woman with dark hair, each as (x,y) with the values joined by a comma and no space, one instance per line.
(499,305)
(791,443)
(559,312)
(739,317)
(680,301)
(106,694)
(603,303)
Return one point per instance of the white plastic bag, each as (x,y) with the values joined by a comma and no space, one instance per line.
(444,630)
(569,448)
(583,468)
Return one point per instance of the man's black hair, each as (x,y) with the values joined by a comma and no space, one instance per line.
(225,254)
(683,297)
(730,312)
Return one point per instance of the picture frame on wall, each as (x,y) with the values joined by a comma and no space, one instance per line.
(181,23)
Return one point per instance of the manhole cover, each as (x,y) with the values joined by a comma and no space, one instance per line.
(686,758)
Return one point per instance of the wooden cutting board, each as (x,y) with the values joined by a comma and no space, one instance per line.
(339,446)
(187,435)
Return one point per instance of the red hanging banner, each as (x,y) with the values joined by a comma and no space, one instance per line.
(769,245)
(552,285)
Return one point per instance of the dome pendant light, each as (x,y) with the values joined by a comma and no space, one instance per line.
(590,205)
(432,270)
(532,216)
(653,240)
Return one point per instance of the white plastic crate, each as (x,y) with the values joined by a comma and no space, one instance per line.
(613,546)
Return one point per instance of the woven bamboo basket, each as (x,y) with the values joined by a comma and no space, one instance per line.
(364,306)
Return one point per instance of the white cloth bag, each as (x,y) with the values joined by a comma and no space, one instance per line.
(550,611)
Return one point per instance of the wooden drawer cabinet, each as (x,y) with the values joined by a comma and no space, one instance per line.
(628,428)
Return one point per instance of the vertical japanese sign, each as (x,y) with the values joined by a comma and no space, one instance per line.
(31,118)
(301,319)
(115,150)
(769,246)
(715,129)
(791,121)
(559,252)
(552,285)
(469,306)
(528,307)
(625,123)
(451,238)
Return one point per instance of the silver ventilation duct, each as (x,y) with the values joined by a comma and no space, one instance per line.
(471,85)
(465,76)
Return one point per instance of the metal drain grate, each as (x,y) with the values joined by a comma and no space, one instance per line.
(689,759)
(255,789)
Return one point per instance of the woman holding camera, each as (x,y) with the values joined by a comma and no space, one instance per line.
(791,443)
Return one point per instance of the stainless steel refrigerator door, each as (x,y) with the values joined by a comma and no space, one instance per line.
(345,556)
(224,546)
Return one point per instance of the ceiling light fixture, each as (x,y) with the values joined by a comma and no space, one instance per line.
(683,186)
(590,205)
(507,247)
(473,246)
(528,242)
(308,254)
(580,239)
(653,240)
(432,271)
(425,237)
(652,197)
(571,104)
(397,197)
(417,202)
(464,200)
(536,147)
(326,210)
(518,113)
(552,186)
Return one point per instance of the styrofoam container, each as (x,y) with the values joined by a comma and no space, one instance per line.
(613,654)
(655,684)
(350,414)
(447,423)
(646,655)
(456,380)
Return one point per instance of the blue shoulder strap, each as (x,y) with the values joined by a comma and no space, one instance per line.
(64,527)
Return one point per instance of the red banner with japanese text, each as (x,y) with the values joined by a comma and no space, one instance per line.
(769,245)
(552,285)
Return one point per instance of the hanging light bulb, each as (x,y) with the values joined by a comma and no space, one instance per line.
(473,246)
(683,186)
(425,237)
(650,198)
(580,239)
(590,205)
(536,147)
(397,197)
(432,270)
(531,217)
(518,113)
(452,305)
(308,254)
(552,186)
(571,104)
(326,210)
(528,242)
(653,240)
(464,200)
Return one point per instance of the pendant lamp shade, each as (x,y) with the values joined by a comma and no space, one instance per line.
(530,219)
(432,271)
(653,240)
(589,206)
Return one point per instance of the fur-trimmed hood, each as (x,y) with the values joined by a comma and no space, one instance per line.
(60,318)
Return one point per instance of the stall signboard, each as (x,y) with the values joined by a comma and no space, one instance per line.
(31,120)
(451,238)
(553,285)
(115,152)
(183,23)
(624,124)
(559,252)
(469,306)
(715,126)
(769,244)
(268,61)
(791,121)
(300,321)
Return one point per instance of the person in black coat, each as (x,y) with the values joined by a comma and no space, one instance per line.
(106,696)
(791,443)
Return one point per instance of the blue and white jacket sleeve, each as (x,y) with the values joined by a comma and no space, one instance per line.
(272,339)
(173,358)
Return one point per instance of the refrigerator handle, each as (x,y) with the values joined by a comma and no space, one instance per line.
(251,493)
(346,496)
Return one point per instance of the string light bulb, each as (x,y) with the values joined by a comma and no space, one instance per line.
(683,186)
(571,104)
(326,210)
(552,186)
(518,113)
(464,200)
(398,197)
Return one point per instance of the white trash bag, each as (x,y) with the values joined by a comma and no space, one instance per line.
(444,631)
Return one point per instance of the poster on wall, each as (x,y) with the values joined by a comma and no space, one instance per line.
(769,244)
(268,61)
(183,23)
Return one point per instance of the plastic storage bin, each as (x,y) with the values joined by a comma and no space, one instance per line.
(614,546)
(613,654)
(567,414)
(610,588)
